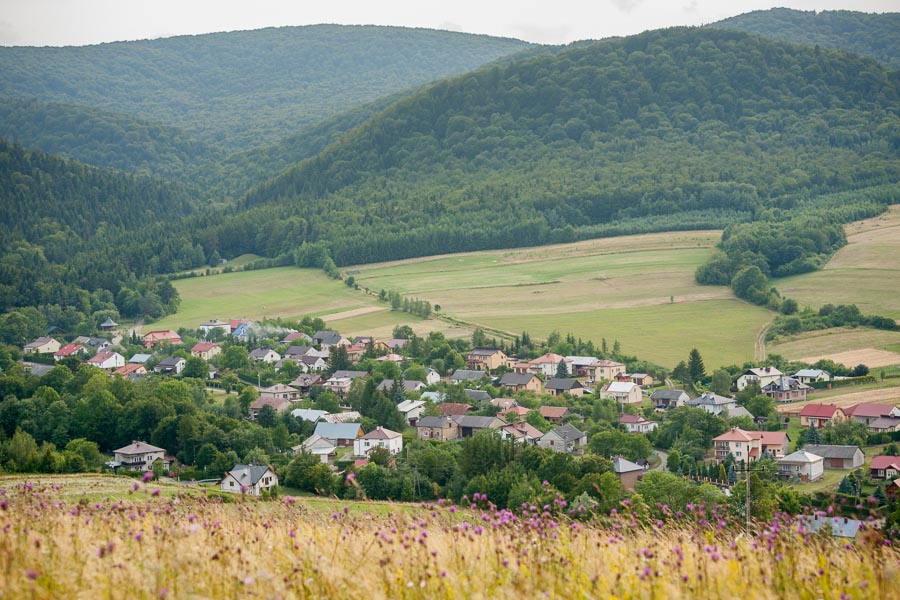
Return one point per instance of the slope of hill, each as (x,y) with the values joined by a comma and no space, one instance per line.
(246,88)
(667,130)
(872,35)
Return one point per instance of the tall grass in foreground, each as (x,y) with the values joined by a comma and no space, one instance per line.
(190,547)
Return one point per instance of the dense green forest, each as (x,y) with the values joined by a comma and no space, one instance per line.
(869,34)
(680,128)
(246,89)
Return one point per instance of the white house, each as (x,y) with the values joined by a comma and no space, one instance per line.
(266,355)
(713,403)
(170,364)
(808,467)
(315,444)
(213,324)
(624,392)
(138,456)
(248,479)
(761,376)
(107,360)
(378,438)
(411,410)
(637,424)
(432,377)
(42,345)
(812,375)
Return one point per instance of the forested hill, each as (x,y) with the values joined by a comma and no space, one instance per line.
(873,35)
(246,88)
(669,129)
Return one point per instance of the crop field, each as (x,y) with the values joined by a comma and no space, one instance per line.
(639,290)
(851,347)
(192,547)
(865,272)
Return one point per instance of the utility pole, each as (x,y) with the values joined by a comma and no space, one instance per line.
(747,470)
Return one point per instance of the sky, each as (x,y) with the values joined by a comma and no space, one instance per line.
(82,22)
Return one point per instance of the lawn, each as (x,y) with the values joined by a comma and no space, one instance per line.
(865,272)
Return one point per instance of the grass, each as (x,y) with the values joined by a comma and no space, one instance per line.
(190,547)
(865,272)
(839,339)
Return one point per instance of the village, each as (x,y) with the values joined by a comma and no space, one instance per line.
(577,405)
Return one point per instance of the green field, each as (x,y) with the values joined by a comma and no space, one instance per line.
(637,289)
(865,272)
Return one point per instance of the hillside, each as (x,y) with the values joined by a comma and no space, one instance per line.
(666,130)
(868,34)
(245,89)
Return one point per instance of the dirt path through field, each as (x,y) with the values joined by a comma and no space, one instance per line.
(356,312)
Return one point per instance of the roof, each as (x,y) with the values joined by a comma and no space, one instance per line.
(40,342)
(832,451)
(395,343)
(306,380)
(327,336)
(785,384)
(261,352)
(621,387)
(479,395)
(885,423)
(632,419)
(667,394)
(409,405)
(521,411)
(484,351)
(735,435)
(516,379)
(467,375)
(453,408)
(351,416)
(825,411)
(296,335)
(338,431)
(279,388)
(883,462)
(605,362)
(811,373)
(869,410)
(763,372)
(434,422)
(69,349)
(801,457)
(109,323)
(622,465)
(568,432)
(101,357)
(523,429)
(380,433)
(410,385)
(582,361)
(709,398)
(504,403)
(138,448)
(349,374)
(279,404)
(558,383)
(478,422)
(308,414)
(554,412)
(548,358)
(170,361)
(248,475)
(771,438)
(204,346)
(140,358)
(739,411)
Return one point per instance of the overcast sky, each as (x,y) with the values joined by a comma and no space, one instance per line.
(80,22)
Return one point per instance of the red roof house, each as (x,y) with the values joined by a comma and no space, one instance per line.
(819,415)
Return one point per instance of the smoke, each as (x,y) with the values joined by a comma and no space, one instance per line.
(264,330)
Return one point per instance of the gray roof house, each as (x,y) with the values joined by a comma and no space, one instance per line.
(838,457)
(669,398)
(343,434)
(466,375)
(478,395)
(563,439)
(248,479)
(470,425)
(712,403)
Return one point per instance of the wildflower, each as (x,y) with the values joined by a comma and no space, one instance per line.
(147,477)
(31,574)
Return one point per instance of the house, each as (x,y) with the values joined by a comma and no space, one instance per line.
(892,490)
(279,405)
(319,446)
(738,443)
(351,374)
(378,438)
(642,379)
(477,395)
(172,365)
(572,387)
(548,365)
(341,381)
(469,426)
(266,355)
(305,382)
(328,339)
(69,350)
(42,345)
(555,414)
(761,376)
(215,325)
(280,390)
(486,359)
(206,350)
(97,344)
(138,456)
(296,336)
(504,404)
(449,409)
(885,425)
(432,377)
(140,359)
(309,414)
(393,344)
(355,352)
(812,375)
(606,370)
(802,464)
(820,415)
(437,428)
(248,479)
(842,527)
(786,389)
(669,398)
(567,438)
(411,385)
(522,381)
(838,457)
(131,370)
(311,364)
(521,432)
(411,410)
(623,392)
(462,375)
(713,403)
(394,358)
(107,360)
(627,472)
(582,366)
(153,338)
(637,424)
(351,416)
(884,467)
(242,332)
(774,443)
(342,434)
(869,413)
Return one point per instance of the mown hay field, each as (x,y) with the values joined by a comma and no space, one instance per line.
(855,346)
(192,547)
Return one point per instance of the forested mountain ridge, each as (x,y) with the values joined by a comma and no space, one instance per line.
(245,89)
(668,129)
(874,35)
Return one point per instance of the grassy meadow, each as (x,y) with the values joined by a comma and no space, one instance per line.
(186,546)
(865,272)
